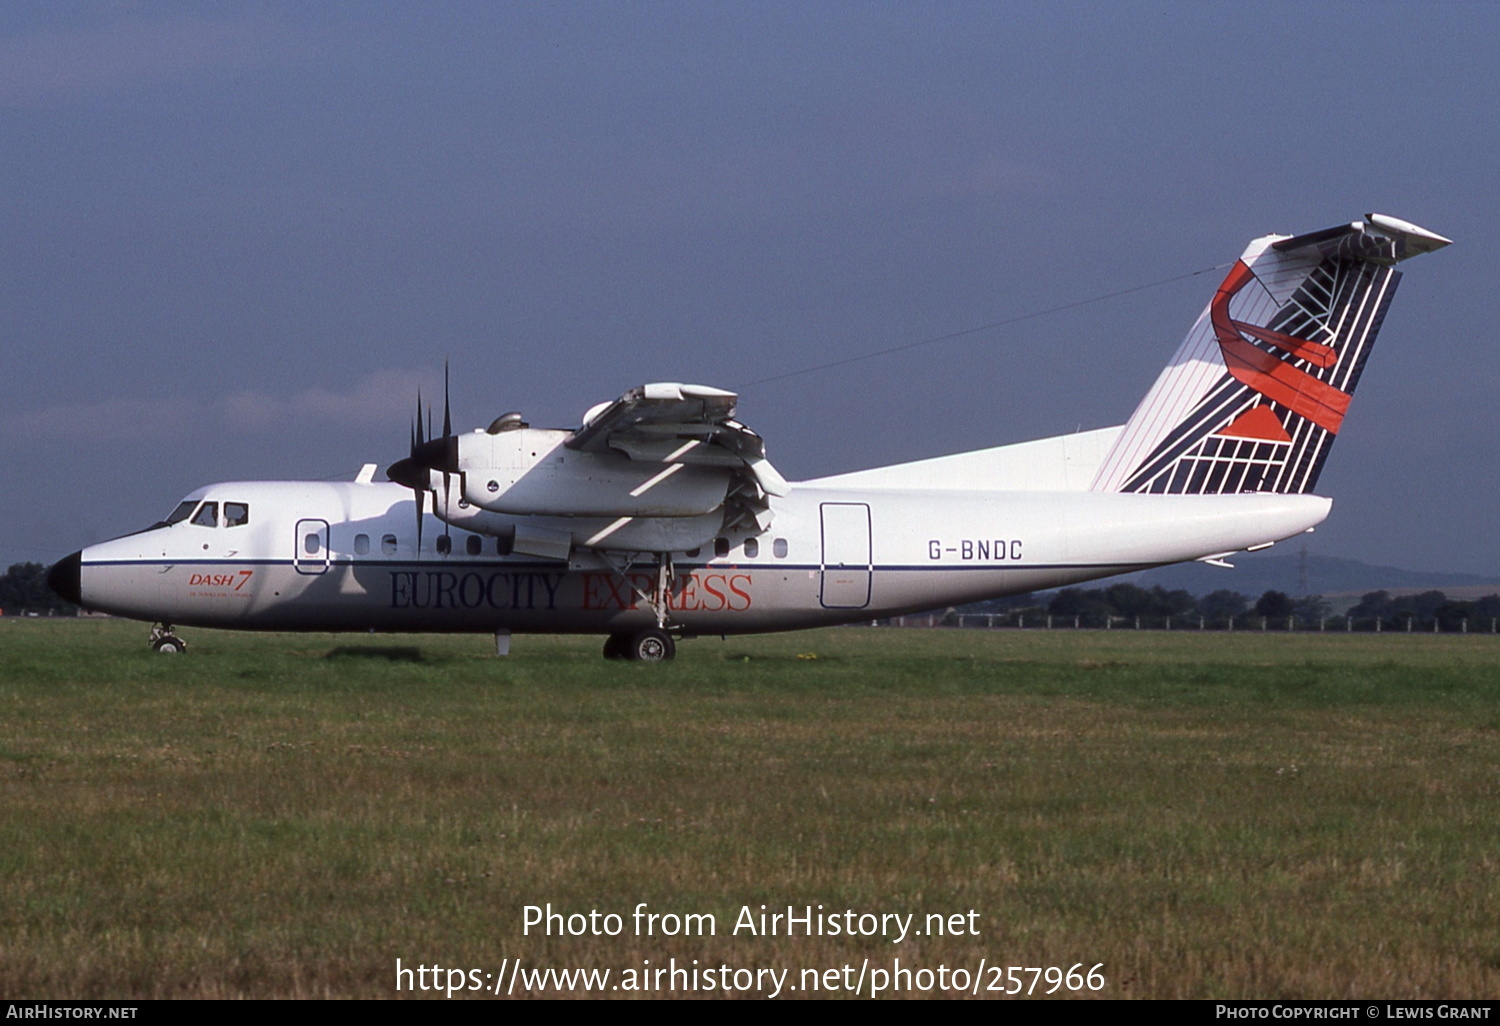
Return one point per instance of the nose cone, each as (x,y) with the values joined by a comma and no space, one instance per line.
(64,578)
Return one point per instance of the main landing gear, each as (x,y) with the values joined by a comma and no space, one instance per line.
(165,642)
(652,645)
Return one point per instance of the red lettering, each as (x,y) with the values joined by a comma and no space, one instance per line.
(235,581)
(737,591)
(707,593)
(590,591)
(617,599)
(708,586)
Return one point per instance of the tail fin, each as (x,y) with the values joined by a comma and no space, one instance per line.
(1259,388)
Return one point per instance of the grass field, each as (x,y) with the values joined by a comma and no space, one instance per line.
(1207,815)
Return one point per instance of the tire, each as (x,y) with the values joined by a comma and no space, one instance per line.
(169,645)
(617,646)
(651,646)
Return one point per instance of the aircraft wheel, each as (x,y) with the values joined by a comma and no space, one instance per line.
(651,646)
(617,646)
(169,644)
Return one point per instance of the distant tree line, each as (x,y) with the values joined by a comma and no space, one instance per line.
(1422,611)
(24,590)
(1129,605)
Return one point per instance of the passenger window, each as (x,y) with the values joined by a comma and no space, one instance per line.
(388,545)
(692,553)
(207,515)
(721,546)
(778,548)
(236,514)
(361,541)
(473,544)
(752,548)
(444,544)
(311,543)
(505,544)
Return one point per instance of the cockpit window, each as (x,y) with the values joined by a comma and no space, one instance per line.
(181,512)
(236,514)
(207,515)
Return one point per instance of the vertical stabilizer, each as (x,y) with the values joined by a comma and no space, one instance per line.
(1259,388)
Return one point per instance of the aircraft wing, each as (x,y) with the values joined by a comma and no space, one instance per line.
(673,423)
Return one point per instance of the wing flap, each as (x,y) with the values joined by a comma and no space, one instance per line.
(673,423)
(661,408)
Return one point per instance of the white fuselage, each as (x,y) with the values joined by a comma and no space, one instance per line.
(344,557)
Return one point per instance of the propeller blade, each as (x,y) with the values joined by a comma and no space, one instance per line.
(447,499)
(421,511)
(430,452)
(447,433)
(447,408)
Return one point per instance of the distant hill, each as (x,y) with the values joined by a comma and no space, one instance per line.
(1256,573)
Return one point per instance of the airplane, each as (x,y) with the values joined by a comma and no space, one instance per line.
(659,517)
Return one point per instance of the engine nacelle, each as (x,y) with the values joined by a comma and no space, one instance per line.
(529,471)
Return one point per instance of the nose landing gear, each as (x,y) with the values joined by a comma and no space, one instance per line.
(165,642)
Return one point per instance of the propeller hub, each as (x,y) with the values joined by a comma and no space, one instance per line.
(439,454)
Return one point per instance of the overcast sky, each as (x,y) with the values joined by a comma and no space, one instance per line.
(236,237)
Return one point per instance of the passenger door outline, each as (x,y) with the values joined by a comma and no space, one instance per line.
(846,561)
(309,562)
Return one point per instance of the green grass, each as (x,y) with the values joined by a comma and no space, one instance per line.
(1208,815)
